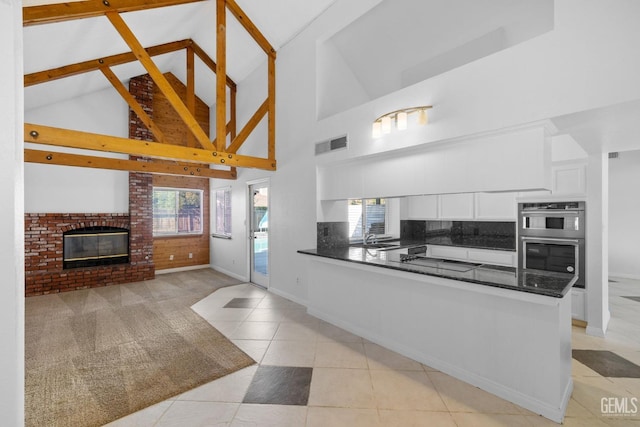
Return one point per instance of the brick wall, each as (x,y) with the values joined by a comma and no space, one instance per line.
(43,232)
(43,255)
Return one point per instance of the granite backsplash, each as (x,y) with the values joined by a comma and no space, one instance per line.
(332,234)
(481,234)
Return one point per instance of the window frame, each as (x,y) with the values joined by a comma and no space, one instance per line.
(177,233)
(227,232)
(363,202)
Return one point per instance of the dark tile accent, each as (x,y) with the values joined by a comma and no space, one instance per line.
(413,230)
(607,363)
(280,385)
(243,303)
(332,234)
(633,298)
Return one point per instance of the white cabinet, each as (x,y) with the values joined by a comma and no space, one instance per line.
(455,206)
(569,178)
(578,309)
(484,256)
(464,206)
(493,206)
(448,252)
(423,207)
(480,256)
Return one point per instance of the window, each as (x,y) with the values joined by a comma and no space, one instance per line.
(222,214)
(367,216)
(177,211)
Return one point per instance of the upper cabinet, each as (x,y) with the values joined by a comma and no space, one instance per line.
(569,177)
(423,207)
(493,206)
(464,206)
(455,206)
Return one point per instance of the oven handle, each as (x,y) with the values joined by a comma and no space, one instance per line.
(549,239)
(549,213)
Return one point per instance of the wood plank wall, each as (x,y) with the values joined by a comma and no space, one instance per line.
(176,133)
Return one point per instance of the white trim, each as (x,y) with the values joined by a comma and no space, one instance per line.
(249,215)
(614,276)
(230,273)
(289,296)
(178,269)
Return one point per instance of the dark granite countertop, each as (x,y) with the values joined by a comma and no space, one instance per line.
(533,281)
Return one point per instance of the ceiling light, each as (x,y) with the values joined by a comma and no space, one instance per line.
(382,125)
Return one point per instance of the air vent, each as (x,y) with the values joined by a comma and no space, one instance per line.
(334,144)
(613,155)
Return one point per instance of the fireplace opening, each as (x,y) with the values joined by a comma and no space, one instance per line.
(94,246)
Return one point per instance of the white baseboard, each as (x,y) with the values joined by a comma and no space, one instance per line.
(178,269)
(288,296)
(613,275)
(230,273)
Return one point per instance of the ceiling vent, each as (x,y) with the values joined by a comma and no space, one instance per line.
(613,155)
(334,144)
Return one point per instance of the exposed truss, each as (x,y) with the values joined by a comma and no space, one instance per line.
(200,149)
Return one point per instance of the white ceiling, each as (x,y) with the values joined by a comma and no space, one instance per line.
(53,45)
(401,42)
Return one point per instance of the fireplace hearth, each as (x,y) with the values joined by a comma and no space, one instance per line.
(94,246)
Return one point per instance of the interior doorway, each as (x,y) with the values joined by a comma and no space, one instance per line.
(259,233)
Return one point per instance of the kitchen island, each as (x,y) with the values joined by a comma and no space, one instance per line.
(505,330)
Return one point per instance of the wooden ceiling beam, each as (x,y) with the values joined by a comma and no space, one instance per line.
(133,104)
(206,59)
(47,135)
(79,160)
(250,27)
(221,90)
(89,8)
(237,142)
(96,64)
(161,81)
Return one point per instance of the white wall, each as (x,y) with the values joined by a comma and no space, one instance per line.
(12,214)
(61,189)
(624,205)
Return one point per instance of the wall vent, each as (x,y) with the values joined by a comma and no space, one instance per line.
(613,155)
(334,144)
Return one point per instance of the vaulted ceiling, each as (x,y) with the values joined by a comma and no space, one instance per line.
(52,45)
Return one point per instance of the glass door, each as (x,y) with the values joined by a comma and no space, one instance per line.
(259,233)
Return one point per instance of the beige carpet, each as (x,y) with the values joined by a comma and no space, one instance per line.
(93,356)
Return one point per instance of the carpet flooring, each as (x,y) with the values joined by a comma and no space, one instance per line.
(93,356)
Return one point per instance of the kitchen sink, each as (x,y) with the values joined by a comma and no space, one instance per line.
(376,245)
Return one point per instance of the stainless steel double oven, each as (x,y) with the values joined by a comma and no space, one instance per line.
(552,237)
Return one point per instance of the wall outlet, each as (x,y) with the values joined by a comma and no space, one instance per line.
(297,280)
(190,255)
(170,257)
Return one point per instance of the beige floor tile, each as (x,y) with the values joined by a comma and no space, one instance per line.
(146,417)
(275,301)
(329,332)
(270,416)
(197,414)
(231,388)
(463,419)
(295,332)
(342,417)
(298,314)
(341,388)
(255,331)
(341,355)
(589,392)
(583,422)
(379,357)
(540,421)
(290,353)
(254,348)
(265,315)
(580,370)
(462,397)
(229,314)
(391,418)
(405,390)
(226,328)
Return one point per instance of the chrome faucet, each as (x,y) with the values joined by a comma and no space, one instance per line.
(370,236)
